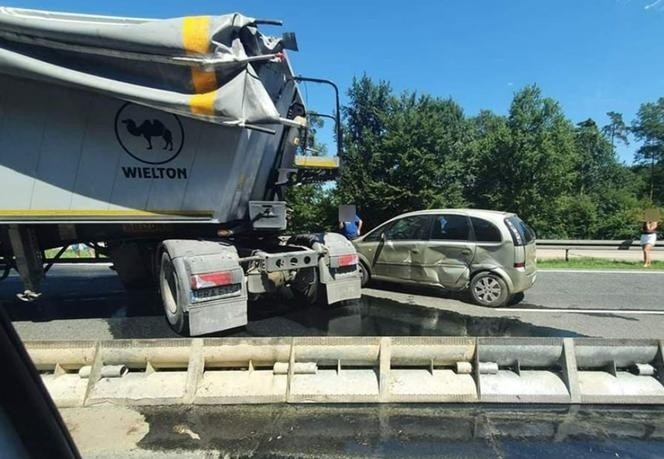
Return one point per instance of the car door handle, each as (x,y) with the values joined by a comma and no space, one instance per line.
(466,251)
(415,250)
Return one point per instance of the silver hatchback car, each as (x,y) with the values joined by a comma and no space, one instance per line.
(492,253)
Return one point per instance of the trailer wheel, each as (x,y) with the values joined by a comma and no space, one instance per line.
(169,287)
(133,262)
(306,287)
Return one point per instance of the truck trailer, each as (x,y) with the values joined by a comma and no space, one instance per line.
(167,146)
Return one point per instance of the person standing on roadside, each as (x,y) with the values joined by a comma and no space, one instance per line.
(352,228)
(648,240)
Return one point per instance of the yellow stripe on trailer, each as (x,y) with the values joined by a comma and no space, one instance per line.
(50,213)
(196,41)
(196,34)
(202,104)
(317,162)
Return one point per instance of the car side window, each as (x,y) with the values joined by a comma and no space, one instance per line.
(485,231)
(450,227)
(410,229)
(375,235)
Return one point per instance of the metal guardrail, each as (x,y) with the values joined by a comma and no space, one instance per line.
(581,244)
(351,370)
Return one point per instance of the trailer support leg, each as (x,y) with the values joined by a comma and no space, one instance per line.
(28,260)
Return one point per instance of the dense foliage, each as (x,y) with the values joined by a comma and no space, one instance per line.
(408,152)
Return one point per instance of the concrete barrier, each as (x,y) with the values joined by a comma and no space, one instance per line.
(351,370)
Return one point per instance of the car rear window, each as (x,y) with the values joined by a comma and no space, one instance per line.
(485,231)
(522,234)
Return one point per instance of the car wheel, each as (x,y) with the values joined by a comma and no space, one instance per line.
(489,289)
(169,288)
(365,275)
(517,298)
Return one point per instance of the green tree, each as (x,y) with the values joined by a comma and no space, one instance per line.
(403,153)
(618,211)
(364,127)
(597,164)
(616,129)
(490,139)
(313,208)
(409,151)
(649,128)
(529,162)
(578,216)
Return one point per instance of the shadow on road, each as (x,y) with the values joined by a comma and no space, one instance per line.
(424,290)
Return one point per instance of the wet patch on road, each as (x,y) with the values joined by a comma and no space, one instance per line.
(372,316)
(398,431)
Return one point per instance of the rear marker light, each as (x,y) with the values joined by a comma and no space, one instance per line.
(199,281)
(348,260)
(519,265)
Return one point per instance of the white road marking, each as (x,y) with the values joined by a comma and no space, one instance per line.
(587,311)
(599,271)
(83,265)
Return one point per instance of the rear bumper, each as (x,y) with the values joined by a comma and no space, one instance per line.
(522,280)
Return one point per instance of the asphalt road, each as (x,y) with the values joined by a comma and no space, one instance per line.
(88,302)
(367,431)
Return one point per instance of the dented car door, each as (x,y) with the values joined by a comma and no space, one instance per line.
(401,243)
(449,252)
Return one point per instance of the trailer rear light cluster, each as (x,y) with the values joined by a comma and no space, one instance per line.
(347,260)
(200,281)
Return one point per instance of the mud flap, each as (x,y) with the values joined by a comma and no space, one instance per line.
(340,284)
(209,310)
(218,315)
(343,290)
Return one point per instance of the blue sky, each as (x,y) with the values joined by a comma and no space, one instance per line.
(591,55)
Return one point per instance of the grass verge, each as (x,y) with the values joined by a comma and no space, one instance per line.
(69,253)
(597,263)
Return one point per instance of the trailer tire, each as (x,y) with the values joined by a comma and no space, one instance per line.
(133,262)
(306,287)
(171,295)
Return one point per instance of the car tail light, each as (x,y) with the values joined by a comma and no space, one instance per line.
(520,264)
(208,280)
(348,260)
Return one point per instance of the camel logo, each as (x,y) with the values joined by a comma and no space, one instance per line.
(148,135)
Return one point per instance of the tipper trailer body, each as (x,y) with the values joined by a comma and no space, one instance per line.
(166,145)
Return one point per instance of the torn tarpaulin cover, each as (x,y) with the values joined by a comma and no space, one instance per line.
(203,67)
